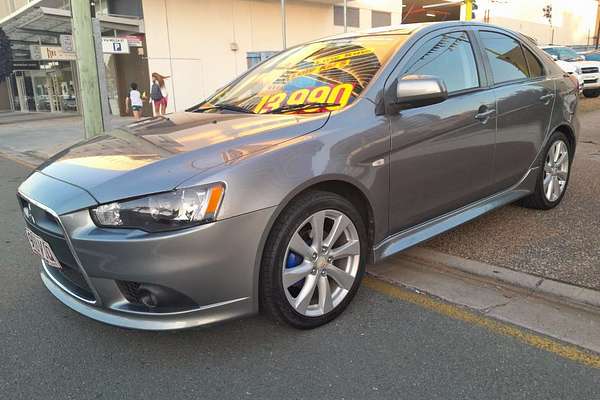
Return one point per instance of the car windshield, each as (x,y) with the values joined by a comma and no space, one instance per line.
(317,77)
(563,53)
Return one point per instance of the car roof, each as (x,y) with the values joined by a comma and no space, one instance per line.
(553,46)
(408,29)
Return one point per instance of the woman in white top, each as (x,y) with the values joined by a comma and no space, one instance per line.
(159,94)
(135,98)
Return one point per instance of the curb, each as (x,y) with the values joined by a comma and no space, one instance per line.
(534,283)
(21,159)
(37,116)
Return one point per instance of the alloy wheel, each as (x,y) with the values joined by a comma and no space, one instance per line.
(556,170)
(321,263)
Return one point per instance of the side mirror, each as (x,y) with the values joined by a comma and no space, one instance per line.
(555,57)
(420,90)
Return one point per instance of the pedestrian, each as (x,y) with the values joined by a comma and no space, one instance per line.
(159,94)
(135,98)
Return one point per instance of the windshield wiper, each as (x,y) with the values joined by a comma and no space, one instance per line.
(300,107)
(225,106)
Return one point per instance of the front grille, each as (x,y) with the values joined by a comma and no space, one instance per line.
(589,70)
(40,217)
(588,81)
(45,225)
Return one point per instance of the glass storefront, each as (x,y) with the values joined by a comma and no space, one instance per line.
(50,88)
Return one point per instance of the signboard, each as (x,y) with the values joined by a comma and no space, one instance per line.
(66,43)
(55,53)
(114,45)
(52,53)
(36,54)
(25,65)
(134,40)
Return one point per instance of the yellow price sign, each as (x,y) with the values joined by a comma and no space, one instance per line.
(339,94)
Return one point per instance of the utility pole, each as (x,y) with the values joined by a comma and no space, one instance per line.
(283,25)
(597,27)
(548,14)
(468,10)
(345,16)
(90,72)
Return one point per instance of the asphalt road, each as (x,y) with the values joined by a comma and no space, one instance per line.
(381,348)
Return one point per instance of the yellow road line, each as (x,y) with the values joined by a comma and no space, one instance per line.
(20,162)
(541,342)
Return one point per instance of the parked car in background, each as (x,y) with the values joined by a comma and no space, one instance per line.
(275,192)
(590,70)
(593,55)
(574,70)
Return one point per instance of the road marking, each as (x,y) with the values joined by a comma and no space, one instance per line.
(541,342)
(16,160)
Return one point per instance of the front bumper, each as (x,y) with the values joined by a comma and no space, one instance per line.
(591,81)
(214,267)
(204,315)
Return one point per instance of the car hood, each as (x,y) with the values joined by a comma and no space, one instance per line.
(159,153)
(588,63)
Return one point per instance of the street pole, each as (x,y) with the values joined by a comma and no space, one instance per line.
(283,25)
(468,10)
(597,27)
(82,12)
(345,16)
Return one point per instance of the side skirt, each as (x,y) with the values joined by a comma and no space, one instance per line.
(426,230)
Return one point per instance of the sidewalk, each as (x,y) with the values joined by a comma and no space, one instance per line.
(15,117)
(34,137)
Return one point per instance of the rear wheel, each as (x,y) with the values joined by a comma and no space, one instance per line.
(554,176)
(314,260)
(591,93)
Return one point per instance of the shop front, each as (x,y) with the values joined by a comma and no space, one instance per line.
(44,86)
(44,77)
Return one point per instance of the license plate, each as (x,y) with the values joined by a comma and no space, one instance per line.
(40,247)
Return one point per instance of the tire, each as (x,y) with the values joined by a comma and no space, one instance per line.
(323,273)
(540,199)
(591,93)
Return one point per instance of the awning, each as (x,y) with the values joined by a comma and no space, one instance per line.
(38,24)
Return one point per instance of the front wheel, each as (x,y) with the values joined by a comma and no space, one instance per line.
(314,260)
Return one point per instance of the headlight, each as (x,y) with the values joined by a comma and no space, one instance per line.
(578,70)
(168,211)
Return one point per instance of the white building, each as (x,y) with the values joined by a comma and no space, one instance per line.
(203,44)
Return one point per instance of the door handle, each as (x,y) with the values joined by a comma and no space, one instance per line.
(547,98)
(484,116)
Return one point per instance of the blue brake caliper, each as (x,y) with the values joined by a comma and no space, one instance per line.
(293,260)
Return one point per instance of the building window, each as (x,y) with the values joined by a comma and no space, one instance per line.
(352,16)
(380,18)
(256,57)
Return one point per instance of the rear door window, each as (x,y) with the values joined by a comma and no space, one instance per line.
(449,57)
(505,56)
(536,68)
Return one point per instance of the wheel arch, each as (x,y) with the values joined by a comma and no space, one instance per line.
(568,130)
(341,185)
(338,184)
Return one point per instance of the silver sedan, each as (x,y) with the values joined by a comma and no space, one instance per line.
(275,192)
